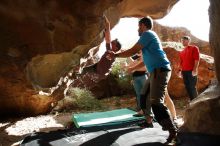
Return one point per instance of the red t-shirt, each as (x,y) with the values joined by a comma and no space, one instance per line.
(188,57)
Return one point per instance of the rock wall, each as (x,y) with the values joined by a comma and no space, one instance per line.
(206,74)
(174,34)
(176,86)
(42,40)
(214,12)
(203,115)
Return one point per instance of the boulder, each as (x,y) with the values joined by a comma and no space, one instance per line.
(203,115)
(206,73)
(214,19)
(174,34)
(41,41)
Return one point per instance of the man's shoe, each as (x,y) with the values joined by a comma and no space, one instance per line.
(138,115)
(171,140)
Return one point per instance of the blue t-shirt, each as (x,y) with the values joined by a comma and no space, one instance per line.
(153,54)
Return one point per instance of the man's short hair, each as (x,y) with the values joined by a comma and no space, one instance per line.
(147,21)
(118,44)
(186,38)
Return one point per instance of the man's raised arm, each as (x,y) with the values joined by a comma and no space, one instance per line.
(107,31)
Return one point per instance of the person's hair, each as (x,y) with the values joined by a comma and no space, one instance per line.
(118,44)
(147,21)
(186,38)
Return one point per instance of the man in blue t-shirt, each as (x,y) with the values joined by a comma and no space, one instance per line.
(159,68)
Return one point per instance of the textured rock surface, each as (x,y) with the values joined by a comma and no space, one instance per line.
(174,34)
(42,40)
(203,113)
(45,71)
(214,40)
(16,95)
(176,87)
(33,32)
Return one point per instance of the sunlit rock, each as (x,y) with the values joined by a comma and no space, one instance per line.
(174,34)
(45,71)
(206,73)
(42,40)
(214,40)
(203,115)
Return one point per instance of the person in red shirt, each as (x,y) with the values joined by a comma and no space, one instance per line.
(188,67)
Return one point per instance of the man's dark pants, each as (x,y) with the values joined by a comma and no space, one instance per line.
(190,84)
(156,87)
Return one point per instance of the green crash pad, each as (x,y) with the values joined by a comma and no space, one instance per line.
(105,118)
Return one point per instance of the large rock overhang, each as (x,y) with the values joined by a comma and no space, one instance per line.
(42,40)
(33,29)
(37,27)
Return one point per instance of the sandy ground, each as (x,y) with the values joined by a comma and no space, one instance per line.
(12,131)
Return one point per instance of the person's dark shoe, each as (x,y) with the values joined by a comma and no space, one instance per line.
(138,115)
(146,125)
(167,124)
(171,140)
